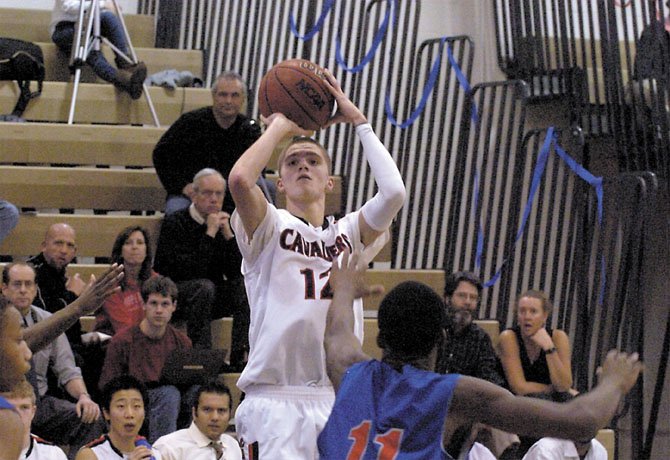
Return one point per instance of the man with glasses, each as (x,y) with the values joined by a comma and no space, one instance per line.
(57,419)
(197,250)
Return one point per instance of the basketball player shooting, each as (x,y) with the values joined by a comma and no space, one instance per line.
(288,255)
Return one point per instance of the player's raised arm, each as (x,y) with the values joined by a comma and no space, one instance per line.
(577,419)
(378,213)
(249,200)
(342,347)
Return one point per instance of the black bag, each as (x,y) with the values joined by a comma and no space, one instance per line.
(24,62)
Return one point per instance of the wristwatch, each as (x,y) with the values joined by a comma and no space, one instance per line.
(550,351)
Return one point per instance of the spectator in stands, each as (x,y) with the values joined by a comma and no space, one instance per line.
(209,137)
(197,250)
(141,351)
(57,418)
(535,358)
(468,350)
(127,76)
(124,399)
(15,363)
(132,249)
(56,289)
(205,439)
(398,405)
(563,449)
(9,217)
(22,397)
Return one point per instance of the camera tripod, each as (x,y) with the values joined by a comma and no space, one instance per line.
(88,39)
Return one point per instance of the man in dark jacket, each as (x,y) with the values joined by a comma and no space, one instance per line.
(209,137)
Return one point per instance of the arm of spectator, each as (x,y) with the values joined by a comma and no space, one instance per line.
(46,331)
(180,259)
(488,363)
(510,358)
(86,409)
(558,362)
(169,159)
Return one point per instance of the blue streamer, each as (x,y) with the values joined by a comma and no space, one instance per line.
(375,42)
(535,184)
(463,81)
(427,89)
(327,6)
(550,139)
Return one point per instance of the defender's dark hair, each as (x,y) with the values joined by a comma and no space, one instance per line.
(117,252)
(123,382)
(451,282)
(159,285)
(213,386)
(410,320)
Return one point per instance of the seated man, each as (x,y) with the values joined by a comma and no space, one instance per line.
(467,350)
(399,405)
(58,419)
(197,250)
(55,288)
(210,137)
(141,351)
(205,438)
(22,397)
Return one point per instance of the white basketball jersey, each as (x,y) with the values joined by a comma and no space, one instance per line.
(286,270)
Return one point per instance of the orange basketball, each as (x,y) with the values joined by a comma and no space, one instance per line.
(296,89)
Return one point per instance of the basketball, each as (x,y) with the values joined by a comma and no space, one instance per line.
(296,89)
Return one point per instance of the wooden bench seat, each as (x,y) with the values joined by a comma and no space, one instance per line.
(95,234)
(98,103)
(156,59)
(54,143)
(33,25)
(94,188)
(81,188)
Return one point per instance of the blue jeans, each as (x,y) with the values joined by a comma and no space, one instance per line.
(166,406)
(9,217)
(110,27)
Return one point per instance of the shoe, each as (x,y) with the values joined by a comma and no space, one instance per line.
(131,80)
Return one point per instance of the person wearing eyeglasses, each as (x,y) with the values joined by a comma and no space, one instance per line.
(197,250)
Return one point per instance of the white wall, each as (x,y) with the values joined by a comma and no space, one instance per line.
(464,17)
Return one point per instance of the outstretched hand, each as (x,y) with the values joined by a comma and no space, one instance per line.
(96,291)
(347,112)
(349,276)
(622,369)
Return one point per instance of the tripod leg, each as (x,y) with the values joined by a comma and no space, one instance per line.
(75,90)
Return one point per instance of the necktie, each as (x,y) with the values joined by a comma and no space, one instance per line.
(218,449)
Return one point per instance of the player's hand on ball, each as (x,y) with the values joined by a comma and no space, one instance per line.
(347,112)
(279,120)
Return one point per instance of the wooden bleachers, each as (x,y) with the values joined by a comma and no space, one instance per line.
(95,234)
(94,188)
(40,143)
(102,103)
(33,25)
(156,60)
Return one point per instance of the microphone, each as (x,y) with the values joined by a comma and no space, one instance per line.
(143,442)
